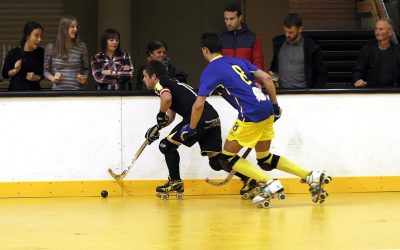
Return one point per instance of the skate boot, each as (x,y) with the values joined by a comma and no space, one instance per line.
(170,186)
(250,189)
(271,189)
(316,180)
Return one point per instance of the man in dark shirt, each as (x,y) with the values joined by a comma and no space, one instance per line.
(297,59)
(177,98)
(378,63)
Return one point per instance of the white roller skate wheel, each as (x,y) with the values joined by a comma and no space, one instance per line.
(321,201)
(179,196)
(265,204)
(323,196)
(327,179)
(165,196)
(246,196)
(282,196)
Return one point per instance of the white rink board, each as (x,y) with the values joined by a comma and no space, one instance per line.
(77,138)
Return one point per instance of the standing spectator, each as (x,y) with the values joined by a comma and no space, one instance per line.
(297,59)
(66,62)
(378,63)
(157,50)
(238,40)
(112,68)
(24,64)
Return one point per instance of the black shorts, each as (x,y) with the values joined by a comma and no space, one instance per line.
(208,132)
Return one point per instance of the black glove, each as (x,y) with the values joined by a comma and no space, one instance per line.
(187,132)
(277,112)
(152,134)
(162,119)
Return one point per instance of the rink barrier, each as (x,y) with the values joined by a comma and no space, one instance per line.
(192,187)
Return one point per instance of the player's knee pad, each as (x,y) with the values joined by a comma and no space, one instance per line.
(167,146)
(269,162)
(215,163)
(227,161)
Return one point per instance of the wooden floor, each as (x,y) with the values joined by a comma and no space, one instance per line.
(345,221)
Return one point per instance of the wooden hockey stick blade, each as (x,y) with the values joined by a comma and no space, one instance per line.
(230,175)
(125,172)
(223,182)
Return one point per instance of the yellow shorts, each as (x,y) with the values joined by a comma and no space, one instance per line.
(248,134)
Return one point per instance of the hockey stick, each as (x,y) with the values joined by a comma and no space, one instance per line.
(230,175)
(135,157)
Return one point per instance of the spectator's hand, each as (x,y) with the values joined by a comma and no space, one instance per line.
(107,72)
(152,134)
(360,83)
(81,78)
(30,76)
(277,112)
(17,66)
(126,68)
(57,78)
(162,119)
(187,132)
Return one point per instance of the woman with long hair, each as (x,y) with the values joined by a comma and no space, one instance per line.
(66,62)
(24,64)
(112,68)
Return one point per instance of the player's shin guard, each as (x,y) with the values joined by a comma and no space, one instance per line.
(269,162)
(243,166)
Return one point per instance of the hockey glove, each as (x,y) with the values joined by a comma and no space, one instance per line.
(152,136)
(162,119)
(187,132)
(277,112)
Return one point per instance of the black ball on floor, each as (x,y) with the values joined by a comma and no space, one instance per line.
(104,193)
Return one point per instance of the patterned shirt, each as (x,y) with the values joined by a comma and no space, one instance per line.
(77,63)
(120,65)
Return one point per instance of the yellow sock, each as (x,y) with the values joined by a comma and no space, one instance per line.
(286,165)
(244,167)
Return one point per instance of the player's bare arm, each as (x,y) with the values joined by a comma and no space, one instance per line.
(165,101)
(171,114)
(197,110)
(268,84)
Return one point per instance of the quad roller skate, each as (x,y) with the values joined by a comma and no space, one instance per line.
(170,186)
(316,180)
(272,189)
(250,189)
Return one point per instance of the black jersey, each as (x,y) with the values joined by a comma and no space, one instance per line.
(183,95)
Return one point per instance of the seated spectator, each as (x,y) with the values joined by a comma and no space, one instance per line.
(297,59)
(238,40)
(157,50)
(112,68)
(24,64)
(66,62)
(378,63)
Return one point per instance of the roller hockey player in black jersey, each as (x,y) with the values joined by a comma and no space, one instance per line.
(178,98)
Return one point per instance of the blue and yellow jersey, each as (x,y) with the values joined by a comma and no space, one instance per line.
(233,78)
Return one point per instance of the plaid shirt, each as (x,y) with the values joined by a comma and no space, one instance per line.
(116,64)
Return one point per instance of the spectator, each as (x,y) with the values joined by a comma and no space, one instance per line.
(24,64)
(296,58)
(378,63)
(112,68)
(238,40)
(66,62)
(157,50)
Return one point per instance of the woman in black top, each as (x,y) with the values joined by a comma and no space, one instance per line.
(24,64)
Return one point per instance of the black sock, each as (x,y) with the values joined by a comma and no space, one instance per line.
(172,158)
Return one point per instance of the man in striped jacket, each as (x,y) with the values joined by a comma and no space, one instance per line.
(238,40)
